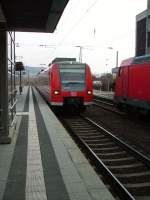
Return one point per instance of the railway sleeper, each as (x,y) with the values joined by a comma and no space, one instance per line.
(118,159)
(78,126)
(83,129)
(107,150)
(125,166)
(139,189)
(87,133)
(127,169)
(103,146)
(104,140)
(89,137)
(110,155)
(97,142)
(121,161)
(135,179)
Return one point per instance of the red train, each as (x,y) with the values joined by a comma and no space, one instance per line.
(132,88)
(66,83)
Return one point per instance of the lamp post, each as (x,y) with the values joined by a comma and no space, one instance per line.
(80,53)
(117,53)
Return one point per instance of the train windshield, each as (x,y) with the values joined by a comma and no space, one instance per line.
(72,77)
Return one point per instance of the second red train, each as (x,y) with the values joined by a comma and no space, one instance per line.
(132,90)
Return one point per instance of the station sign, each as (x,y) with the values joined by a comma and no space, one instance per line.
(19,66)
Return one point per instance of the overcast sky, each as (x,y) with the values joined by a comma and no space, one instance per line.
(93,24)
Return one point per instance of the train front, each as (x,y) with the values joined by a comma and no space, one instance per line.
(75,85)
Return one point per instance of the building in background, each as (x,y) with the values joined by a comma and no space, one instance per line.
(143,32)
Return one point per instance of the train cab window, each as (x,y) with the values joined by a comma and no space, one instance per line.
(142,59)
(72,77)
(148,39)
(120,71)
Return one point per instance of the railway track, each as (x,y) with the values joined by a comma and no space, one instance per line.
(103,100)
(106,104)
(127,170)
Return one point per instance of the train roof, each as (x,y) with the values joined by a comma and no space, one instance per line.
(67,63)
(56,60)
(142,59)
(136,60)
(71,63)
(62,63)
(127,62)
(64,60)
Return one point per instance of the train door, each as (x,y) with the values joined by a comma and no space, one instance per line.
(125,79)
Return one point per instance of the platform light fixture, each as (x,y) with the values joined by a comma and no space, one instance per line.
(19,66)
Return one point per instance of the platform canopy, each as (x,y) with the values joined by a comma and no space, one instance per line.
(32,15)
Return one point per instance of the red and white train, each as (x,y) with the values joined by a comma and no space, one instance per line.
(66,83)
(132,89)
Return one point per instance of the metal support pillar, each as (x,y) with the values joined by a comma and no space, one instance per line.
(20,84)
(4,130)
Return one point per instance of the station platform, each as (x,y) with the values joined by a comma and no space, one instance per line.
(43,162)
(104,94)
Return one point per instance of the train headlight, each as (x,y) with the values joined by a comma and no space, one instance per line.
(89,92)
(56,92)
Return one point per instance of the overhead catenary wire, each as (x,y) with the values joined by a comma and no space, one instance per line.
(79,20)
(77,23)
(72,28)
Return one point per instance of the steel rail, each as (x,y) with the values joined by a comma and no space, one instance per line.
(123,192)
(103,99)
(136,153)
(103,102)
(119,187)
(108,109)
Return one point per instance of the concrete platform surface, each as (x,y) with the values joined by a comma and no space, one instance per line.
(43,162)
